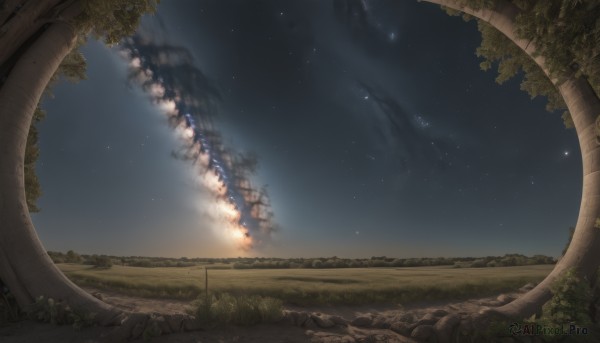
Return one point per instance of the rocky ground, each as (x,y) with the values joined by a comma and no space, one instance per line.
(425,322)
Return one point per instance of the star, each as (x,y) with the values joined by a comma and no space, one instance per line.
(566,153)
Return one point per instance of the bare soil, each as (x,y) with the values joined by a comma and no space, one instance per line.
(30,331)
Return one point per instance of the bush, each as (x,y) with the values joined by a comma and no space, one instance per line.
(101,261)
(72,257)
(480,263)
(571,298)
(240,310)
(9,310)
(58,313)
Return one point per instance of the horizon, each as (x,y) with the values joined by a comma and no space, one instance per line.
(299,257)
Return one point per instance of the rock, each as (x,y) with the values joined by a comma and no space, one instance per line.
(527,287)
(348,339)
(98,295)
(138,329)
(289,317)
(504,299)
(162,324)
(310,324)
(322,321)
(402,328)
(427,319)
(301,318)
(423,333)
(362,321)
(309,333)
(191,324)
(380,323)
(406,317)
(439,313)
(445,327)
(465,327)
(339,320)
(175,322)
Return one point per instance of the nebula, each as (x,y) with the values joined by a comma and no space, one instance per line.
(189,100)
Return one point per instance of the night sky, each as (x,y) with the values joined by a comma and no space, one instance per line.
(375,131)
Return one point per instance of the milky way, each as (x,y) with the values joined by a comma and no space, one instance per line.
(190,101)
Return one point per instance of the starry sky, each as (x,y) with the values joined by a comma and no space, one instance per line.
(376,134)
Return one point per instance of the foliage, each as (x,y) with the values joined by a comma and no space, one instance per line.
(571,298)
(9,310)
(32,152)
(316,263)
(239,310)
(565,32)
(58,313)
(72,257)
(112,20)
(101,261)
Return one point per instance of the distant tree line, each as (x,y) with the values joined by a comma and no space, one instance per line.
(105,261)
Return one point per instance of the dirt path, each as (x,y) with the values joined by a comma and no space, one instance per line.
(326,324)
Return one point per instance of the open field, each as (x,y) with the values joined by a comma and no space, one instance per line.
(313,286)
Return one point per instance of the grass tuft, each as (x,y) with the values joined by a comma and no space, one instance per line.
(239,310)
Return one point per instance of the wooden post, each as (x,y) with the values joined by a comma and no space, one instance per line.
(206,283)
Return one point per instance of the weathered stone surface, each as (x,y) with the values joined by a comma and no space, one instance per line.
(402,328)
(339,320)
(289,317)
(445,327)
(310,324)
(138,329)
(427,319)
(362,321)
(465,327)
(191,324)
(322,321)
(162,324)
(439,313)
(175,322)
(380,323)
(423,333)
(406,317)
(301,318)
(348,339)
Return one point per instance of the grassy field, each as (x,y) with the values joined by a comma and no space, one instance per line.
(313,286)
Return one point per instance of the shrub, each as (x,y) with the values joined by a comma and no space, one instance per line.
(72,257)
(240,310)
(58,313)
(9,310)
(571,298)
(101,261)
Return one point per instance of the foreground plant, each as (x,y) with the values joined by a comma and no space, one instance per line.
(236,309)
